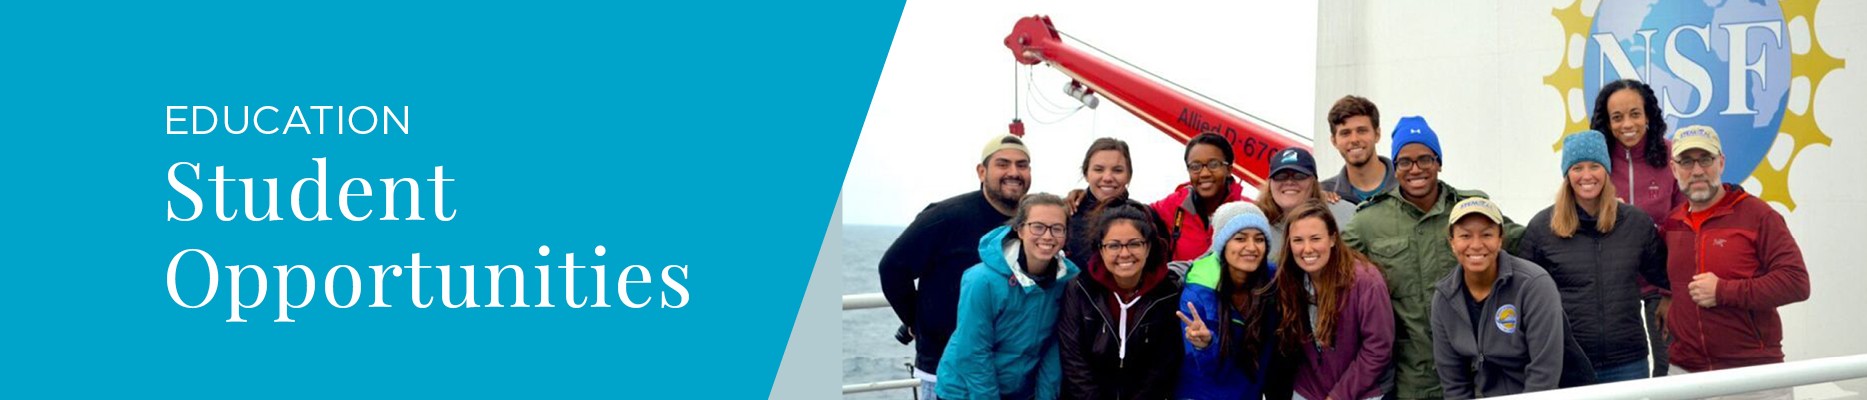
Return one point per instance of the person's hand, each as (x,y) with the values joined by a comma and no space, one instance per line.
(904,334)
(1704,290)
(1331,197)
(1069,202)
(1196,332)
(1659,318)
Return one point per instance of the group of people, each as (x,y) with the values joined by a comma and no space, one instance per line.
(1380,282)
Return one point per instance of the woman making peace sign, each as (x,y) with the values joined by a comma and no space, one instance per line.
(1230,319)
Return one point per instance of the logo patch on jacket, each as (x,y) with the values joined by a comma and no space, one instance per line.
(1507,318)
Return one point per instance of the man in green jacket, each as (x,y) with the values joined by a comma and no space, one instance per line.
(1403,230)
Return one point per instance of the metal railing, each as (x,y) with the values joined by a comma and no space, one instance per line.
(867,301)
(864,301)
(881,385)
(1689,386)
(1718,383)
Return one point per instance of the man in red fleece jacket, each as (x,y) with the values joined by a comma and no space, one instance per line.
(1733,258)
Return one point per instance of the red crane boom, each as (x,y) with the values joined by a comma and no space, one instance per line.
(1181,116)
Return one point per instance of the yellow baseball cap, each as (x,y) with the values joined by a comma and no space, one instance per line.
(1697,137)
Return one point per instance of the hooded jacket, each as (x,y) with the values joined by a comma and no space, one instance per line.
(1105,358)
(1595,273)
(1748,246)
(1004,346)
(1203,373)
(1189,231)
(1411,247)
(1521,346)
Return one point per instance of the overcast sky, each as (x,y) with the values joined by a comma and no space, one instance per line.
(947,88)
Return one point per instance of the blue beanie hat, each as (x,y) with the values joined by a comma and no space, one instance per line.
(1582,146)
(1414,130)
(1241,215)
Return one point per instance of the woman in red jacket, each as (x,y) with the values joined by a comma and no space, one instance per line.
(1188,210)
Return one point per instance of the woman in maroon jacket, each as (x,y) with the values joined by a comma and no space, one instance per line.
(1629,114)
(1336,311)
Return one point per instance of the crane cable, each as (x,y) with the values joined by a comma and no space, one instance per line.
(1047,104)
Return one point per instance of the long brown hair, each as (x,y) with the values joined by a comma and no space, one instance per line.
(1562,219)
(1332,285)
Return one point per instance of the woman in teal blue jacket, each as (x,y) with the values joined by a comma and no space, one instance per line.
(1004,346)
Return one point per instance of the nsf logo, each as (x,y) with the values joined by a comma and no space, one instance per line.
(1726,67)
(1730,65)
(1507,318)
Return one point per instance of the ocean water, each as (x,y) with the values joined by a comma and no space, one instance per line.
(870,352)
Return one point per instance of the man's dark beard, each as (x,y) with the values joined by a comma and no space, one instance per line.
(997,194)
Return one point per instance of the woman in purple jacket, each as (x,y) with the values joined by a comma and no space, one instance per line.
(1336,311)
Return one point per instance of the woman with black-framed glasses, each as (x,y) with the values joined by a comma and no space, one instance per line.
(1004,343)
(1117,333)
(1188,210)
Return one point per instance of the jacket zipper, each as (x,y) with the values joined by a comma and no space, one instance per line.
(1478,388)
(1107,328)
(1094,302)
(1699,261)
(1600,276)
(1629,156)
(1123,363)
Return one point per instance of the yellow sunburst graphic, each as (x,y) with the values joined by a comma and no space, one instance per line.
(1568,76)
(1801,128)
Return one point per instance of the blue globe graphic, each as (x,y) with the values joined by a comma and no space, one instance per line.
(1747,136)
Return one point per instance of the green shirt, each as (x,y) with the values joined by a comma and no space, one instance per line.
(1413,250)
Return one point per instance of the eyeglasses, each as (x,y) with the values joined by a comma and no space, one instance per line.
(1215,165)
(1701,162)
(1421,161)
(1288,176)
(1117,247)
(1039,229)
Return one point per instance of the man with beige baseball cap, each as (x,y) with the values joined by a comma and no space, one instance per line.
(1736,259)
(921,271)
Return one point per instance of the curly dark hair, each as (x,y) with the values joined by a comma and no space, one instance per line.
(1655,147)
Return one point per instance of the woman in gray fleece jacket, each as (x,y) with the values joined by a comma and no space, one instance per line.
(1497,322)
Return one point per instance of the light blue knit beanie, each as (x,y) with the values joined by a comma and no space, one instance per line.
(1237,216)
